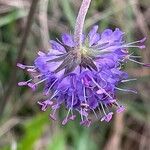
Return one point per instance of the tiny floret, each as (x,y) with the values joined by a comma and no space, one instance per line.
(84,85)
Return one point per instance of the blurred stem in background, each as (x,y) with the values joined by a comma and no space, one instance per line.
(43,20)
(68,12)
(12,82)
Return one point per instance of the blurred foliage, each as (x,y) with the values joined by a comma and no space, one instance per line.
(37,131)
(33,131)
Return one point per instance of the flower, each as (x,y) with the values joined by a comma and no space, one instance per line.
(87,84)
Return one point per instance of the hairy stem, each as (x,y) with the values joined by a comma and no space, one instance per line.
(80,22)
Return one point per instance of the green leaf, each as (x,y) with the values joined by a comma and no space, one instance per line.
(68,12)
(12,16)
(57,142)
(33,131)
(85,142)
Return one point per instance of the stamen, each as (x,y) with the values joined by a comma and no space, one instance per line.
(21,66)
(52,116)
(41,81)
(102,108)
(54,107)
(67,117)
(101,45)
(84,105)
(72,117)
(107,108)
(84,94)
(85,82)
(95,113)
(40,75)
(51,86)
(45,104)
(86,122)
(24,82)
(132,56)
(31,70)
(120,109)
(128,80)
(99,112)
(109,116)
(146,65)
(100,91)
(81,114)
(126,90)
(101,88)
(111,48)
(120,65)
(24,66)
(106,117)
(54,94)
(32,86)
(133,46)
(104,81)
(136,61)
(40,53)
(139,41)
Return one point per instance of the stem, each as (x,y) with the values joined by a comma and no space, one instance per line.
(80,22)
(12,82)
(43,8)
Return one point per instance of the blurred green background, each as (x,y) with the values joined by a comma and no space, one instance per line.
(22,125)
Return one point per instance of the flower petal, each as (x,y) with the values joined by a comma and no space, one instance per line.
(67,39)
(56,46)
(93,31)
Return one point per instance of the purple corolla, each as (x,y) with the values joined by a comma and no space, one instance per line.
(87,84)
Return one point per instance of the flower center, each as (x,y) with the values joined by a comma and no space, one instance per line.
(84,51)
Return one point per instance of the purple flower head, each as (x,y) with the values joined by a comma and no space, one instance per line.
(87,84)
